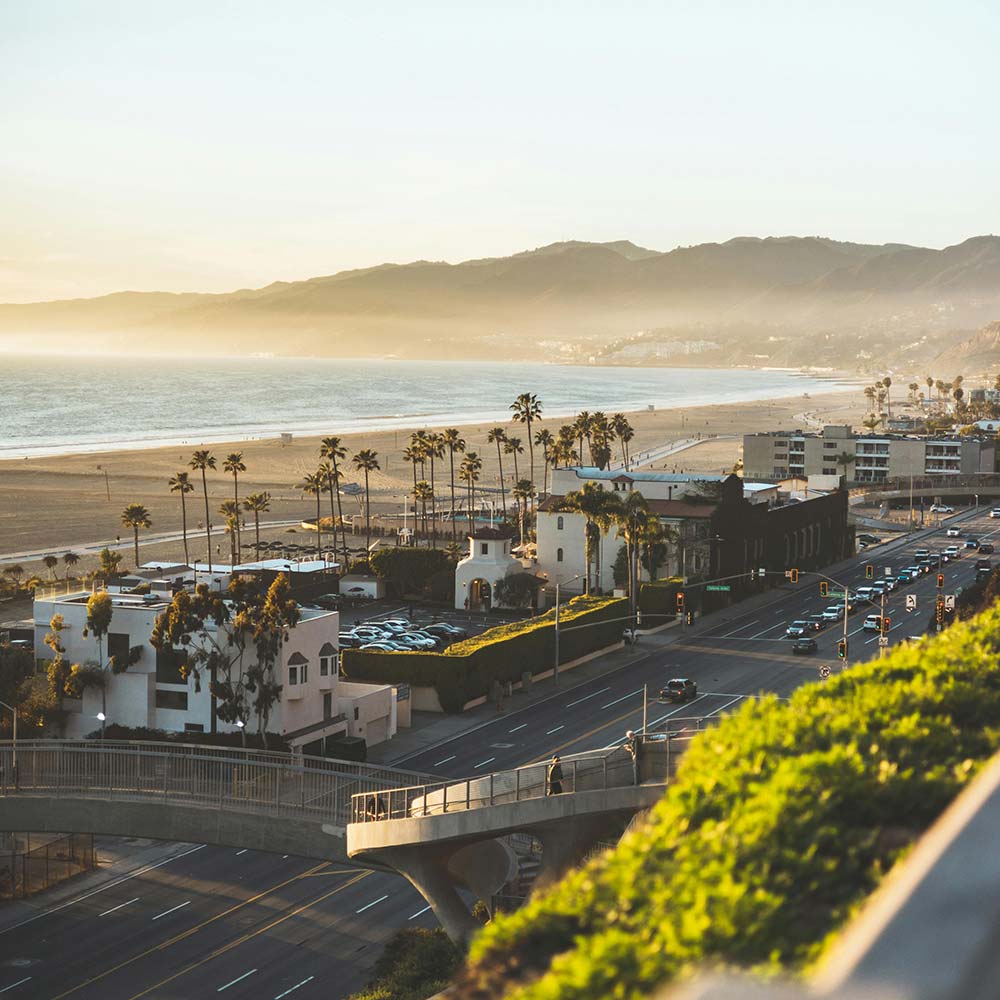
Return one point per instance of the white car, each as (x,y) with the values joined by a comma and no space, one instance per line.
(953,533)
(995,512)
(942,508)
(952,552)
(873,623)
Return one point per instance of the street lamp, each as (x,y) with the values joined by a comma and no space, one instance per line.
(13,712)
(559,583)
(102,718)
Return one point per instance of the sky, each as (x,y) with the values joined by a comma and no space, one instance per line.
(211,146)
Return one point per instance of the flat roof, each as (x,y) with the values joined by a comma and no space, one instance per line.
(643,476)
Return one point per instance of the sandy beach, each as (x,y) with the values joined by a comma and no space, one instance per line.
(55,504)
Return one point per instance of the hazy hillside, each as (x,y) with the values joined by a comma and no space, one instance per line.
(980,352)
(753,299)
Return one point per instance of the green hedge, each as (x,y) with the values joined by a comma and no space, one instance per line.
(467,669)
(658,601)
(779,824)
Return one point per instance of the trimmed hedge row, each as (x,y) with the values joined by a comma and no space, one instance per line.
(658,601)
(779,824)
(467,669)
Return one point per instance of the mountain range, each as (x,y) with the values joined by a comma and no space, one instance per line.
(569,300)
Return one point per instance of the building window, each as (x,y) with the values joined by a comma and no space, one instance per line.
(559,555)
(484,548)
(327,653)
(357,713)
(559,523)
(327,705)
(118,647)
(176,700)
(829,472)
(827,445)
(304,673)
(194,727)
(168,665)
(293,675)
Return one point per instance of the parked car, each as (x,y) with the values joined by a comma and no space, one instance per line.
(942,508)
(349,641)
(446,631)
(329,602)
(873,623)
(804,645)
(439,641)
(415,641)
(385,646)
(678,689)
(986,548)
(797,628)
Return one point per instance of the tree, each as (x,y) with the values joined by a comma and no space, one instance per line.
(180,482)
(527,408)
(930,385)
(314,483)
(233,464)
(887,383)
(622,430)
(366,461)
(202,460)
(524,490)
(497,436)
(50,563)
(412,455)
(135,516)
(844,459)
(108,562)
(422,495)
(454,442)
(519,589)
(592,502)
(257,504)
(15,572)
(653,537)
(333,450)
(100,610)
(545,441)
(581,428)
(70,559)
(435,448)
(513,447)
(230,511)
(469,474)
(631,518)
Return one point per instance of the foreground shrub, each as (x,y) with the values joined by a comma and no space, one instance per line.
(416,963)
(778,825)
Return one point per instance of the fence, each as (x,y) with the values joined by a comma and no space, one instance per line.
(23,873)
(249,781)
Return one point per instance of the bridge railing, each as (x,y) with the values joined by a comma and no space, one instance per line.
(258,782)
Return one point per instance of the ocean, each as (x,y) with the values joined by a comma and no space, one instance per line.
(57,404)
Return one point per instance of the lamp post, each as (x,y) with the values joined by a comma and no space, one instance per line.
(559,583)
(242,727)
(13,712)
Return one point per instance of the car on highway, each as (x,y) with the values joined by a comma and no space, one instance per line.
(942,508)
(921,554)
(804,645)
(873,623)
(678,689)
(995,512)
(817,621)
(953,533)
(797,628)
(972,543)
(913,572)
(833,613)
(866,539)
(986,548)
(890,583)
(953,551)
(865,595)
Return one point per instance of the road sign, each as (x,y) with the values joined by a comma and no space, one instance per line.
(888,571)
(761,572)
(883,640)
(911,602)
(724,587)
(949,602)
(824,671)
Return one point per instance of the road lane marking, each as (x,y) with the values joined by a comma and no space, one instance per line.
(238,853)
(374,902)
(419,913)
(556,730)
(487,761)
(20,982)
(768,629)
(631,694)
(580,701)
(103,888)
(165,913)
(238,979)
(119,906)
(294,988)
(740,629)
(445,761)
(524,725)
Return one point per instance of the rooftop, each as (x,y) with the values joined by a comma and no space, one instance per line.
(643,475)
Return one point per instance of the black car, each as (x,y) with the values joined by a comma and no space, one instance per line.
(679,689)
(804,645)
(986,548)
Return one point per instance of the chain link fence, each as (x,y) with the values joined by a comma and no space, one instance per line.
(23,872)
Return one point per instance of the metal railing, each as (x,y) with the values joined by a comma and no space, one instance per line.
(248,781)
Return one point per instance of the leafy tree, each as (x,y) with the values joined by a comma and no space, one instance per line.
(201,461)
(408,570)
(109,563)
(181,484)
(517,590)
(415,964)
(16,666)
(366,461)
(135,516)
(100,610)
(527,408)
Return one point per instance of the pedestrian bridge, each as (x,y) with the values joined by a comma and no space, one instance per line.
(278,802)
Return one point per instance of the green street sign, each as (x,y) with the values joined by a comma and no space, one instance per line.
(719,586)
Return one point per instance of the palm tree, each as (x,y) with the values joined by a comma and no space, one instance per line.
(930,385)
(204,460)
(50,564)
(366,461)
(15,572)
(497,436)
(469,474)
(581,429)
(135,516)
(590,501)
(233,464)
(527,408)
(412,455)
(630,518)
(624,431)
(887,383)
(512,446)
(545,441)
(334,452)
(257,504)
(314,483)
(651,536)
(70,559)
(422,494)
(523,492)
(230,510)
(181,483)
(453,441)
(844,459)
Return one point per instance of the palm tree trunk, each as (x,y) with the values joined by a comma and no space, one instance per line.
(587,552)
(454,529)
(368,518)
(184,528)
(208,526)
(319,527)
(236,498)
(503,492)
(433,508)
(340,512)
(135,531)
(416,526)
(333,516)
(256,529)
(531,454)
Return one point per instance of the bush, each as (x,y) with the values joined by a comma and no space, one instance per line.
(658,601)
(778,825)
(408,570)
(416,963)
(467,669)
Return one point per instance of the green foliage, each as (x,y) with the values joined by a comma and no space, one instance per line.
(16,667)
(779,824)
(415,964)
(466,669)
(620,567)
(109,563)
(408,570)
(658,601)
(517,590)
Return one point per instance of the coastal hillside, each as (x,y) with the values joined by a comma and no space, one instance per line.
(736,302)
(980,351)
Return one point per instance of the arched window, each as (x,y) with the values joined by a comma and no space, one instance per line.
(327,658)
(559,555)
(559,523)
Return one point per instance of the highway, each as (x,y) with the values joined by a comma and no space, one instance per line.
(218,922)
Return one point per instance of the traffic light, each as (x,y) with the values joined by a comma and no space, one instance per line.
(680,602)
(842,649)
(824,589)
(940,580)
(690,618)
(793,575)
(869,572)
(886,624)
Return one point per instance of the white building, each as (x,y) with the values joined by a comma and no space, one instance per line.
(489,561)
(314,703)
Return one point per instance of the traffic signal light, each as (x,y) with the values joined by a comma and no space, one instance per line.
(886,624)
(869,572)
(824,589)
(680,602)
(940,580)
(793,575)
(690,618)
(842,649)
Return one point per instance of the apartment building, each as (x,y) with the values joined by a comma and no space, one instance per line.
(871,457)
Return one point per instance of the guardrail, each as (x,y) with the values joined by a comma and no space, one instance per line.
(247,781)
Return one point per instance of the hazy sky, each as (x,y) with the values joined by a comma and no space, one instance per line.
(212,145)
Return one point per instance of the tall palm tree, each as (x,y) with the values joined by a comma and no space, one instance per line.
(230,510)
(181,483)
(50,564)
(135,516)
(630,519)
(624,431)
(887,384)
(590,501)
(454,442)
(523,492)
(651,536)
(469,471)
(930,385)
(204,460)
(257,504)
(581,428)
(545,441)
(366,461)
(233,464)
(844,459)
(422,495)
(435,448)
(333,450)
(527,408)
(314,483)
(497,436)
(70,559)
(512,446)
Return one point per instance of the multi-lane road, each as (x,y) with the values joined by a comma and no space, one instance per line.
(215,922)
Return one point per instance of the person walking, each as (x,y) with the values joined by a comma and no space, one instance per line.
(632,748)
(555,776)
